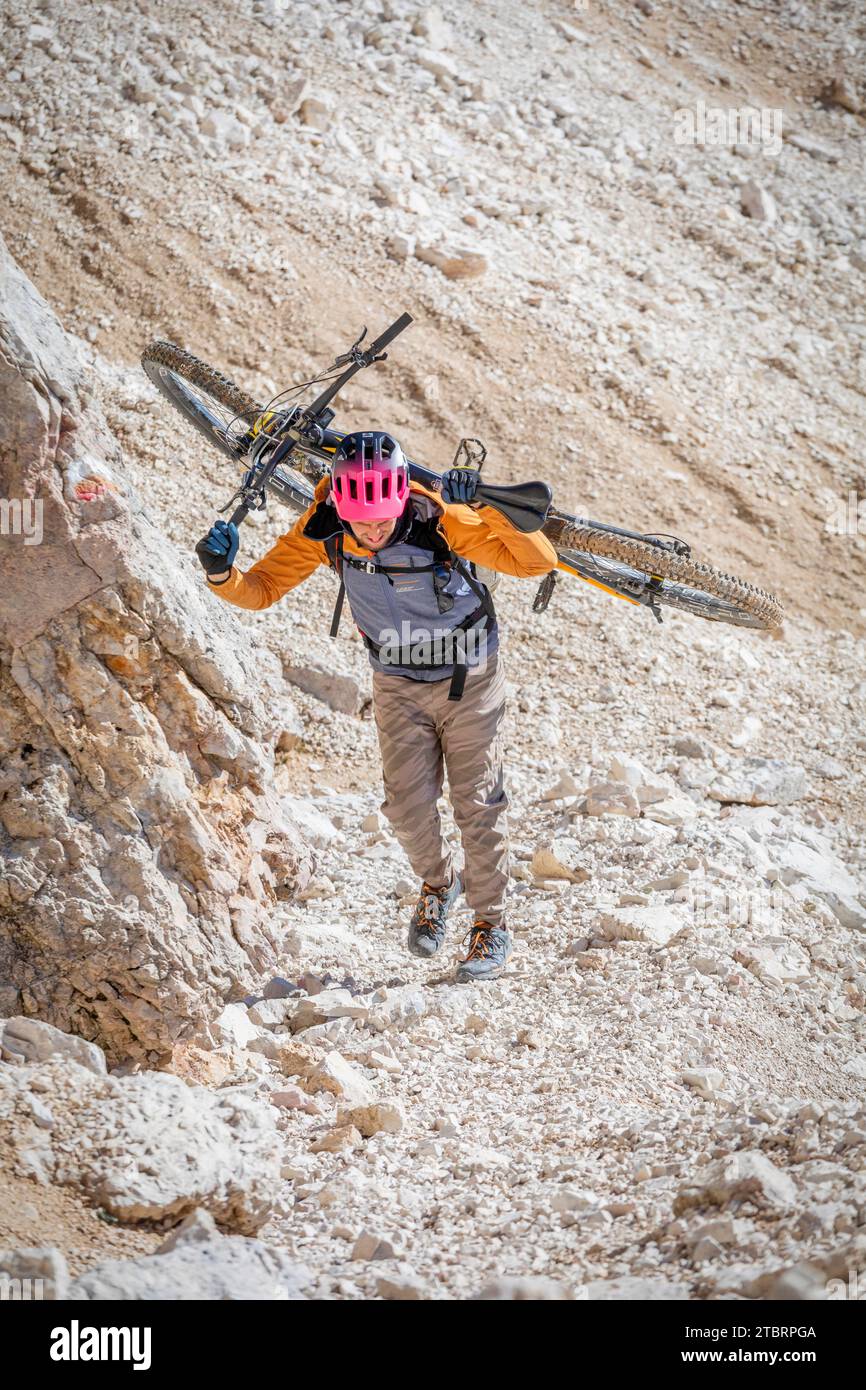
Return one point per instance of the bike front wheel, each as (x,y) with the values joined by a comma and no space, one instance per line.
(654,576)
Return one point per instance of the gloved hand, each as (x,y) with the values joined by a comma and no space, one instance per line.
(217,550)
(459,484)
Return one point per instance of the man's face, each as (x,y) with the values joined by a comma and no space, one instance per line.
(374,534)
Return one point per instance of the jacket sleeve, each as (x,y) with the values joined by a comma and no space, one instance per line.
(487,537)
(291,560)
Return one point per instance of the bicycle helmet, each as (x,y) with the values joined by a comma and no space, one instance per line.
(369,477)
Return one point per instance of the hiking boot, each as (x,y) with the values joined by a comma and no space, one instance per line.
(489,949)
(427,927)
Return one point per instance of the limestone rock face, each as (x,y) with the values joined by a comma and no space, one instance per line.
(142,841)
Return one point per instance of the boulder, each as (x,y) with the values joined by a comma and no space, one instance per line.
(143,844)
(611,799)
(747,1176)
(655,925)
(340,692)
(381,1118)
(141,1147)
(196,1262)
(760,782)
(338,1076)
(455,263)
(757,202)
(29,1040)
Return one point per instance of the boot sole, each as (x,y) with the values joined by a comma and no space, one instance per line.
(494,974)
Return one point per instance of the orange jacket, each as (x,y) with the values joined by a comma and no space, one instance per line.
(483,535)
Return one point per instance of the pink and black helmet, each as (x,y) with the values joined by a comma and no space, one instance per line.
(369,477)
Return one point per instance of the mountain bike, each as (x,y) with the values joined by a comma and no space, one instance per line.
(285,447)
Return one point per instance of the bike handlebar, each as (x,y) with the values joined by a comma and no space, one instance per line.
(306,425)
(390,334)
(363,360)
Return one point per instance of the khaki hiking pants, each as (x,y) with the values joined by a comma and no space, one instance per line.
(422,734)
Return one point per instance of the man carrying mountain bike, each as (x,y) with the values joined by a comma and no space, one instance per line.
(430,628)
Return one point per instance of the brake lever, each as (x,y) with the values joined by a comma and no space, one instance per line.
(354,354)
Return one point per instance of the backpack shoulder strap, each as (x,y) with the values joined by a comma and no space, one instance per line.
(334,548)
(426,533)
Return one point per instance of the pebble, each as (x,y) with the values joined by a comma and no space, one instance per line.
(372,1247)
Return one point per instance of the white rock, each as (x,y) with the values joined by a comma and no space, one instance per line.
(318,827)
(565,786)
(315,111)
(401,1283)
(335,689)
(744,1176)
(647,786)
(196,1262)
(384,1117)
(316,934)
(328,1004)
(226,128)
(370,1247)
(547,864)
(234,1025)
(43,1273)
(818,149)
(431,25)
(707,1081)
(455,263)
(523,1288)
(271,1013)
(338,1076)
(775,958)
(760,782)
(611,799)
(29,1040)
(674,811)
(145,1146)
(757,202)
(440,64)
(655,925)
(571,1199)
(400,247)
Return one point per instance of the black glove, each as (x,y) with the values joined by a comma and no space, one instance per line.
(459,484)
(217,550)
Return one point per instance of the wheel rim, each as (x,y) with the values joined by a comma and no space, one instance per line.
(672,595)
(205,409)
